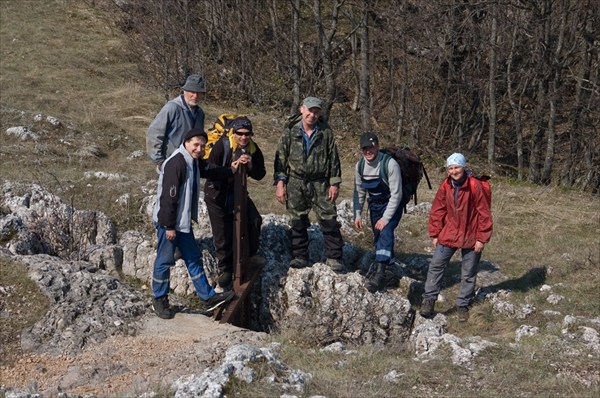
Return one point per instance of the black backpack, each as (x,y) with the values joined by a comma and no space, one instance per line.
(412,170)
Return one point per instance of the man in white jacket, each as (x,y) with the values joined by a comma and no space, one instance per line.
(175,209)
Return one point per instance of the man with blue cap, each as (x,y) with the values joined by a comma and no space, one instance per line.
(460,218)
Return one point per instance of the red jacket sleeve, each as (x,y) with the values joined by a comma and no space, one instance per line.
(484,212)
(438,212)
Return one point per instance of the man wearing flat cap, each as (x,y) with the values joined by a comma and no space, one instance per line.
(307,175)
(218,194)
(175,119)
(175,208)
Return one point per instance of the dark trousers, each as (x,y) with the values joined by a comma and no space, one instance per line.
(384,239)
(332,238)
(221,222)
(304,196)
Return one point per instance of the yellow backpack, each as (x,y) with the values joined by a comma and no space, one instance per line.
(219,129)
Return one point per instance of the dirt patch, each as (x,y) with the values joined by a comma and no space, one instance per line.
(163,351)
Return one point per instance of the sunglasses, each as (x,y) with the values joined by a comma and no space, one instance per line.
(243,134)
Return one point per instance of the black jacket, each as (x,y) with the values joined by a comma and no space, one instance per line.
(218,188)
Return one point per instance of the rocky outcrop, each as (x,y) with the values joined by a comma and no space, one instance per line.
(237,364)
(36,222)
(431,335)
(329,306)
(87,305)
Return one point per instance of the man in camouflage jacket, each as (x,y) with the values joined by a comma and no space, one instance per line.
(307,175)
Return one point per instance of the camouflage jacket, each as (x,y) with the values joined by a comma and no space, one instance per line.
(320,161)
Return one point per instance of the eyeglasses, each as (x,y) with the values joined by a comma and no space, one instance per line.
(243,134)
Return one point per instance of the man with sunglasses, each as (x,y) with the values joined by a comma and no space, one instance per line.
(218,194)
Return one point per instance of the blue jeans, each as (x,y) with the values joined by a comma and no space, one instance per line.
(165,259)
(384,239)
(468,273)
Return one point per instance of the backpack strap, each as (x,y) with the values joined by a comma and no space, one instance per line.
(361,166)
(226,149)
(383,166)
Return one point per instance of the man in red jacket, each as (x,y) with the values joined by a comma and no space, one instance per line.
(460,218)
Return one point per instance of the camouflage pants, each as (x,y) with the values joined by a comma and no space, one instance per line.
(304,196)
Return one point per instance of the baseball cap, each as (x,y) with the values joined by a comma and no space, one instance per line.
(312,102)
(368,139)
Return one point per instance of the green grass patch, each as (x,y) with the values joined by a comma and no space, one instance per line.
(21,304)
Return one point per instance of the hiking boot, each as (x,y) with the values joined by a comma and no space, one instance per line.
(463,314)
(219,299)
(225,280)
(162,309)
(427,307)
(377,278)
(335,264)
(298,262)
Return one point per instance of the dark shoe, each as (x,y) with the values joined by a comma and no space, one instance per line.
(376,278)
(162,309)
(225,280)
(335,264)
(463,314)
(427,308)
(298,262)
(219,299)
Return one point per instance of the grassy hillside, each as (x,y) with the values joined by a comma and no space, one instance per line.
(62,58)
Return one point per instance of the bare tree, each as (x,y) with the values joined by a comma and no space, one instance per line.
(491,153)
(365,78)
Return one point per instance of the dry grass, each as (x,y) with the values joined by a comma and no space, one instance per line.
(62,59)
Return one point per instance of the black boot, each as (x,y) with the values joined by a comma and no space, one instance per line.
(377,278)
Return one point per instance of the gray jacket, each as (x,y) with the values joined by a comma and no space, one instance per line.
(168,128)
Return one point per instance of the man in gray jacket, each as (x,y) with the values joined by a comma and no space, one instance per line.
(379,175)
(175,119)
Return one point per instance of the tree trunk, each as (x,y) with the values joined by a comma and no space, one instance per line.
(577,118)
(555,86)
(295,34)
(326,53)
(402,100)
(516,108)
(365,78)
(491,153)
(542,44)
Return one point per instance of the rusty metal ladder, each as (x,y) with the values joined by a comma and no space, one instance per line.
(246,272)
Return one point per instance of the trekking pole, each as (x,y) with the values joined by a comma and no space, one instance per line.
(427,177)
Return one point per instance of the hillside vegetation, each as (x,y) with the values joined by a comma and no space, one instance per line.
(69,60)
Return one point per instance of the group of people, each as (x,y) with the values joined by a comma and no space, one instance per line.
(307,176)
